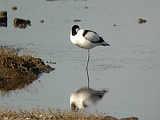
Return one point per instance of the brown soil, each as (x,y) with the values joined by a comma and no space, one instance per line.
(16,71)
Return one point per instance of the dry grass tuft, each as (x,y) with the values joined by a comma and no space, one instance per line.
(52,114)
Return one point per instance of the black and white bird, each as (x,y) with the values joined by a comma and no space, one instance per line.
(86,39)
(85,97)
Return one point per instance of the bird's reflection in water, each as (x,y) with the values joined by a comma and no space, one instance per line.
(85,97)
(87,77)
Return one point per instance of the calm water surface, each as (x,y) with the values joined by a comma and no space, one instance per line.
(129,68)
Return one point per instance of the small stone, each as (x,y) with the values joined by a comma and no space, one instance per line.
(42,21)
(14,8)
(140,21)
(53,62)
(77,20)
(110,118)
(21,23)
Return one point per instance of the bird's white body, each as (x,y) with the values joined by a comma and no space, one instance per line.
(86,97)
(80,41)
(86,39)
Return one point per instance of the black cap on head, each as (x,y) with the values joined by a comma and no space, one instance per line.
(75,29)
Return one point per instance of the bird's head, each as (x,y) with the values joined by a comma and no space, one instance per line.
(75,29)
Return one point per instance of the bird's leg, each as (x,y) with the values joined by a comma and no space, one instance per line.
(87,67)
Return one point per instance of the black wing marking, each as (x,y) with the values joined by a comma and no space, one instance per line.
(86,31)
(93,36)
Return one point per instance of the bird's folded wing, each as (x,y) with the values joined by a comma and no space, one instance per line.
(91,36)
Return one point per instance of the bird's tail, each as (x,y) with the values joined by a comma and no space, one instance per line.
(105,44)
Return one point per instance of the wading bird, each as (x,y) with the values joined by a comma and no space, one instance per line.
(86,39)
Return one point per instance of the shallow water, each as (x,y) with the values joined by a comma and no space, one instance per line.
(129,68)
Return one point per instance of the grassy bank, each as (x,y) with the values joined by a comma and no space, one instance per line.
(18,71)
